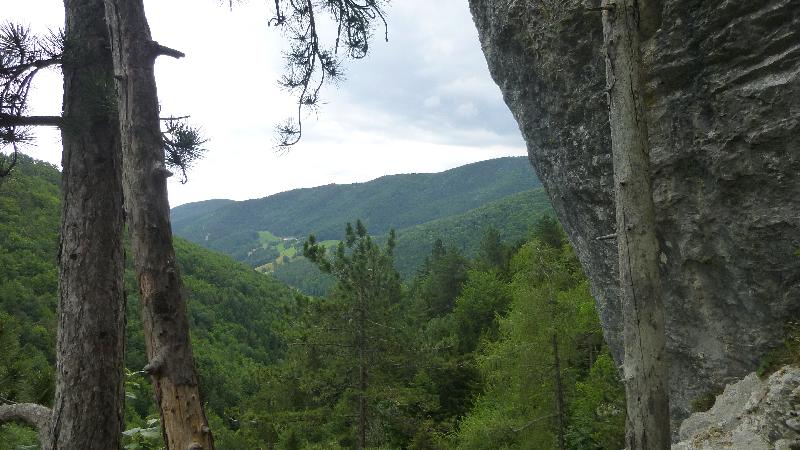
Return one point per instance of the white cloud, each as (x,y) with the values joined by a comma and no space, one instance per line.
(432,102)
(422,102)
(467,110)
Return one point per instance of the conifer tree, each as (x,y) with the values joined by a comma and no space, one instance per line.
(367,293)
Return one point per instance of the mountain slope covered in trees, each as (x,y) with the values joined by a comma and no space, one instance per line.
(234,312)
(511,216)
(457,205)
(394,201)
(464,355)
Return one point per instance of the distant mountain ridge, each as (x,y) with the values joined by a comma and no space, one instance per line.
(393,201)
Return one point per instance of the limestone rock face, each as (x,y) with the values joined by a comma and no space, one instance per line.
(751,414)
(723,99)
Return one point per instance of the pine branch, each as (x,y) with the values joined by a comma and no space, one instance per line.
(9,120)
(20,68)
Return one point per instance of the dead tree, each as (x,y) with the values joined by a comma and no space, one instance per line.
(163,305)
(645,368)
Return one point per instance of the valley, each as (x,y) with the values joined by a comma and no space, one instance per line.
(456,206)
(278,367)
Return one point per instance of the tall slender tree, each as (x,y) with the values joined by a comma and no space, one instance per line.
(169,350)
(369,288)
(645,368)
(88,405)
(166,327)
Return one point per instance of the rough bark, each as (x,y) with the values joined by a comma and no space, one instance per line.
(89,394)
(645,366)
(557,386)
(362,374)
(34,415)
(166,328)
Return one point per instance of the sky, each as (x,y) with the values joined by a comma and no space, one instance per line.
(422,102)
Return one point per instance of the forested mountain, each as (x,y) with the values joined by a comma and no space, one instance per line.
(442,361)
(197,210)
(394,201)
(457,205)
(511,216)
(235,313)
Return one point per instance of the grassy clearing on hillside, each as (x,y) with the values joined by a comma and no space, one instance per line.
(266,238)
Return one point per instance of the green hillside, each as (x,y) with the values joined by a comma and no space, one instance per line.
(512,216)
(395,201)
(198,209)
(235,313)
(451,354)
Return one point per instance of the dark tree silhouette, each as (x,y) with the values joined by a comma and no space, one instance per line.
(309,63)
(22,56)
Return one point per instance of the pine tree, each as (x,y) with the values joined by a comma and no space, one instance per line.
(360,322)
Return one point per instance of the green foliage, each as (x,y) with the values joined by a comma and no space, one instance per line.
(597,413)
(551,310)
(440,280)
(143,438)
(236,314)
(463,358)
(484,298)
(304,275)
(511,216)
(355,341)
(396,201)
(549,232)
(493,254)
(18,437)
(25,373)
(786,353)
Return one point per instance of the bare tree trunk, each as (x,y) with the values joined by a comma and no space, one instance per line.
(558,386)
(166,328)
(645,366)
(89,396)
(34,415)
(362,375)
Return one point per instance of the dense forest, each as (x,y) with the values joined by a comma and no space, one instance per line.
(393,201)
(500,349)
(268,233)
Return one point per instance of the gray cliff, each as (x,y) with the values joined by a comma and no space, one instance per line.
(723,99)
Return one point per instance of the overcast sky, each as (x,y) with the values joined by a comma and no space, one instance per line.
(423,102)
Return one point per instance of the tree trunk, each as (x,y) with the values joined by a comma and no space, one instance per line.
(89,395)
(166,328)
(559,388)
(645,366)
(34,415)
(362,375)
